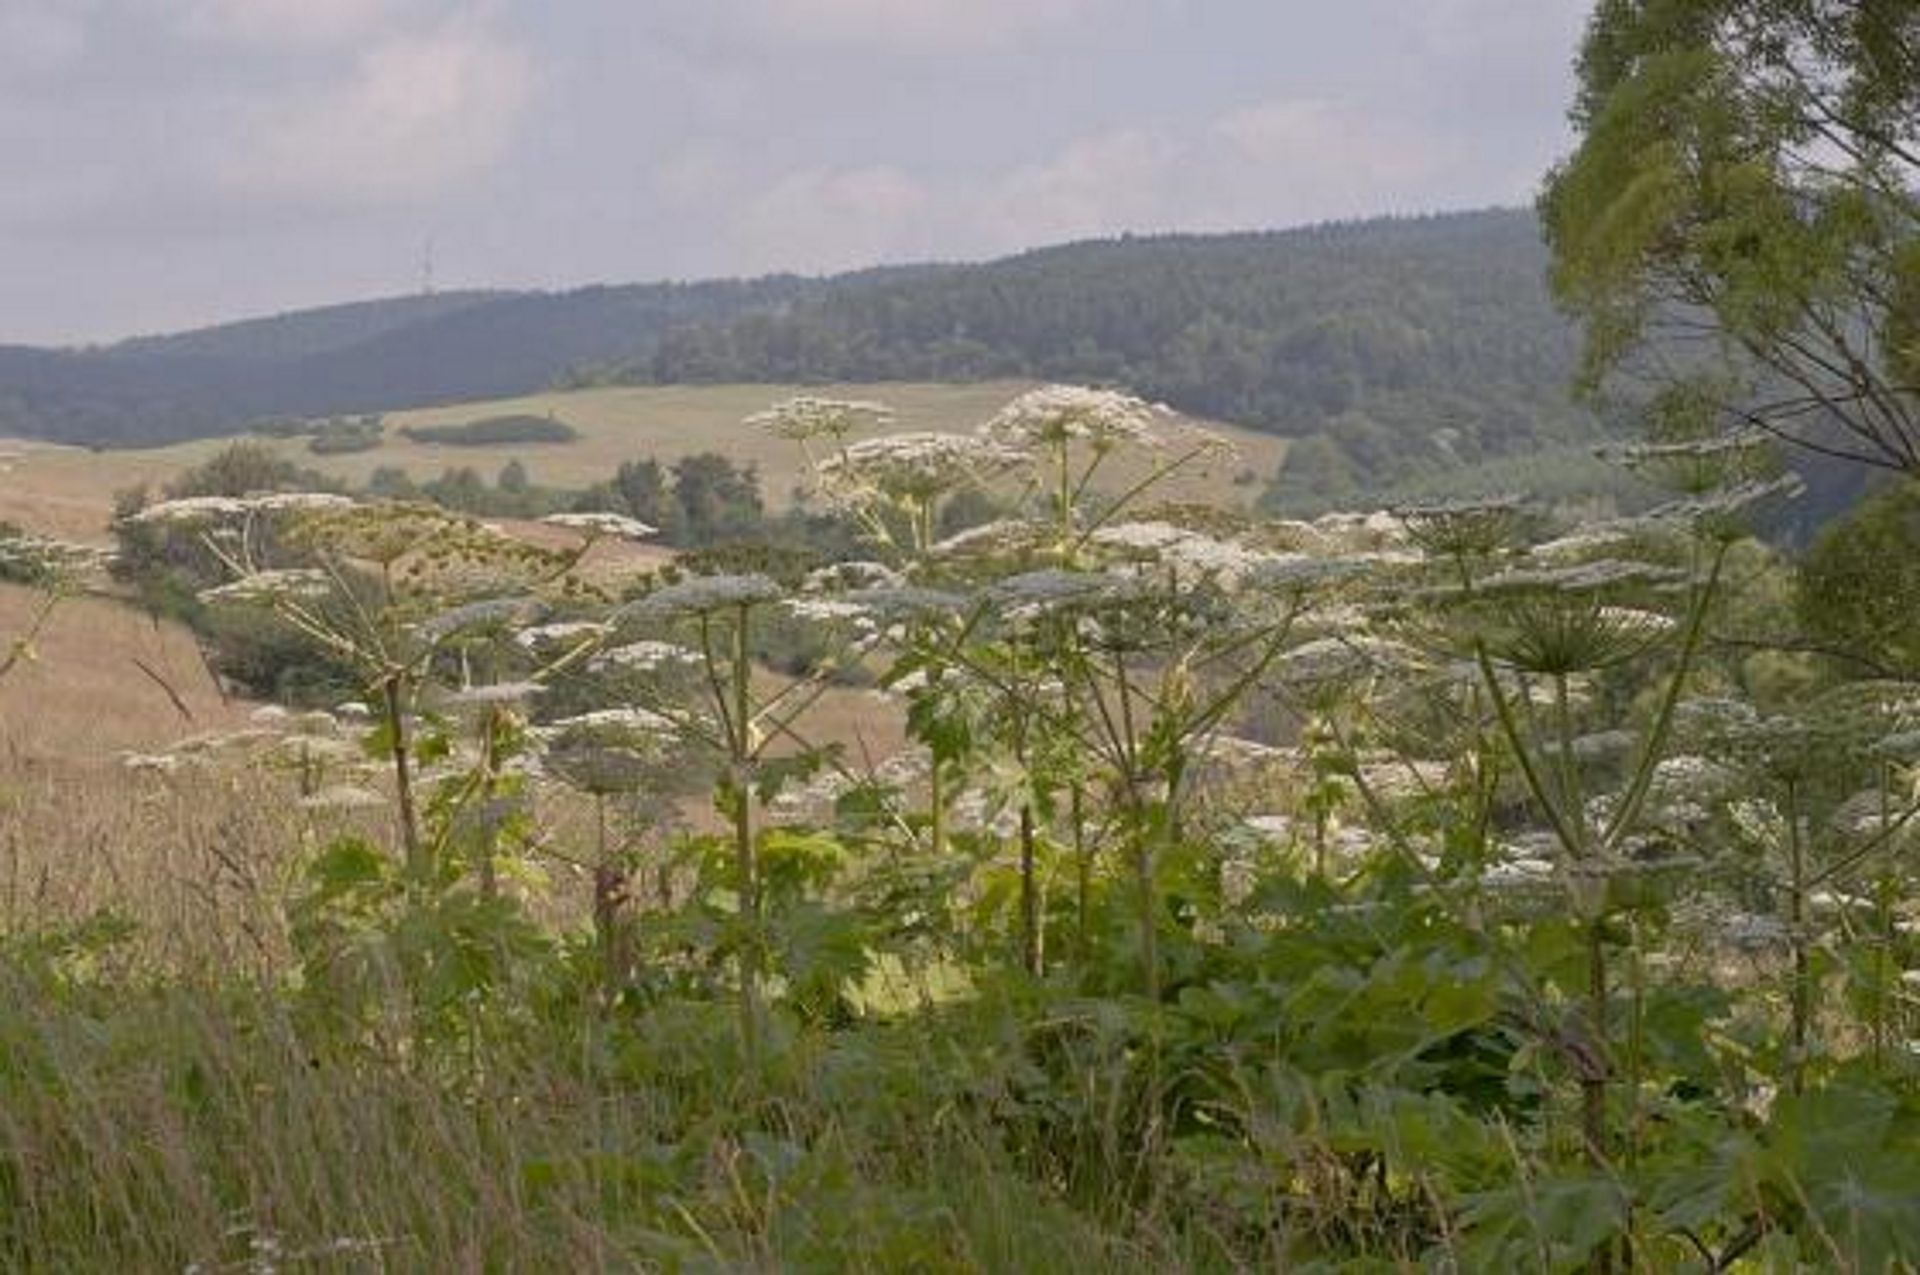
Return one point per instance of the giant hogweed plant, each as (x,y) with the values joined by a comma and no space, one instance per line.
(1454,1029)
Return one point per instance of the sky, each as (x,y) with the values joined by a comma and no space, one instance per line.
(168,163)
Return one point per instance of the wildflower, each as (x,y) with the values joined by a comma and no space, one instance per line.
(638,720)
(264,588)
(1721,514)
(1298,572)
(705,595)
(828,611)
(917,467)
(644,657)
(596,525)
(1035,593)
(894,604)
(841,576)
(297,501)
(1272,827)
(1343,659)
(495,693)
(1463,528)
(38,559)
(490,613)
(189,510)
(1754,932)
(1056,415)
(1190,555)
(805,417)
(557,633)
(304,749)
(343,797)
(1005,536)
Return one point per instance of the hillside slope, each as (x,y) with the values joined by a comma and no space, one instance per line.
(1391,348)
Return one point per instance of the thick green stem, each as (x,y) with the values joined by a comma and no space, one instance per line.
(394,697)
(1029,896)
(1802,996)
(1595,1070)
(746,861)
(1083,867)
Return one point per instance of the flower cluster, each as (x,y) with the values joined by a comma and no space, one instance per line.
(806,417)
(1056,415)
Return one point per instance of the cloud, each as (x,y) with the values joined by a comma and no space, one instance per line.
(287,23)
(825,219)
(1259,165)
(41,37)
(414,115)
(919,25)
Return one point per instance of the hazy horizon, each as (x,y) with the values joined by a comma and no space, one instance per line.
(214,160)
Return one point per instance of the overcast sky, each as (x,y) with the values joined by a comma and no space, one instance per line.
(165,163)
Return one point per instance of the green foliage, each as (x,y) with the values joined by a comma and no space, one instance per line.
(1443,889)
(1860,583)
(495,430)
(1747,168)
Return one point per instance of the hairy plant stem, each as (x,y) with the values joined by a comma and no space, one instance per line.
(746,860)
(394,697)
(1083,868)
(1802,995)
(489,790)
(1030,955)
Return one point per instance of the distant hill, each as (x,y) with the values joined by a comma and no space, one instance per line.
(1391,346)
(369,357)
(1388,348)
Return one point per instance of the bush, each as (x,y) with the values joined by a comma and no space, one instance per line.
(492,430)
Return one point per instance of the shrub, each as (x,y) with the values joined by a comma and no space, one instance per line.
(492,430)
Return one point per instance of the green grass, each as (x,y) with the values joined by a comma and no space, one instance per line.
(194,1129)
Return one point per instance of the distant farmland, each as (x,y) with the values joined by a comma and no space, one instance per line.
(70,490)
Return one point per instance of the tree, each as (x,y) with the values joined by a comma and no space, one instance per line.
(1747,175)
(241,469)
(1859,587)
(718,500)
(514,480)
(642,491)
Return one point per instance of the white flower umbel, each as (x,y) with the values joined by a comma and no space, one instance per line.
(913,468)
(595,526)
(190,511)
(839,577)
(1059,414)
(263,588)
(805,417)
(706,595)
(638,720)
(474,617)
(818,610)
(645,657)
(559,633)
(296,501)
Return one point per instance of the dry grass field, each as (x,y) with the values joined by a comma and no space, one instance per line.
(198,857)
(69,491)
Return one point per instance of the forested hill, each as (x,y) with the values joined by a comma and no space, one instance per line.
(1394,345)
(372,356)
(1388,346)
